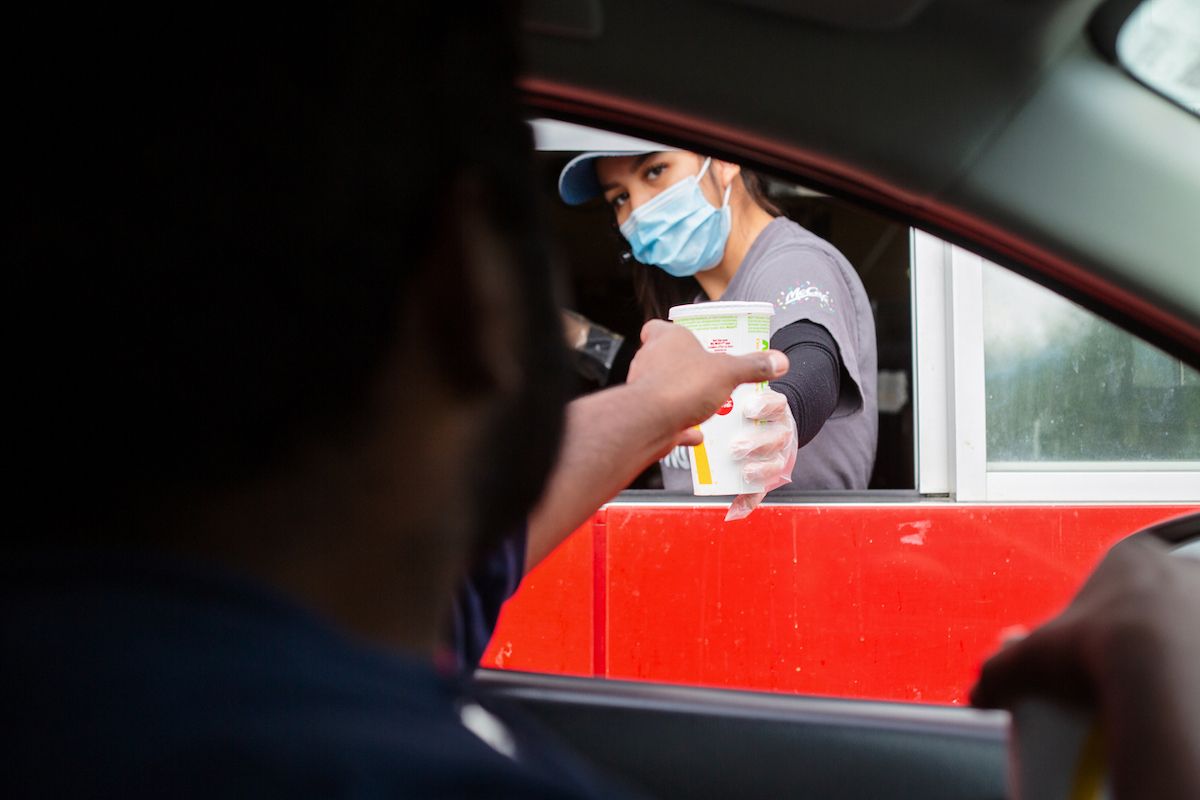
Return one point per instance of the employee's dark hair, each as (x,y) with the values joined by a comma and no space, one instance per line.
(656,291)
(219,217)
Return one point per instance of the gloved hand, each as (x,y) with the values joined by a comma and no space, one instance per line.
(768,453)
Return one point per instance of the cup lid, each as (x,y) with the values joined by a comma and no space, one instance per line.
(714,307)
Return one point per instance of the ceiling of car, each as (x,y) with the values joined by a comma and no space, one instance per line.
(863,15)
(1001,110)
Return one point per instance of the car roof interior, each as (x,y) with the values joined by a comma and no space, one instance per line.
(995,123)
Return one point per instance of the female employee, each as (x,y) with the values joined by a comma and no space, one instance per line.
(704,230)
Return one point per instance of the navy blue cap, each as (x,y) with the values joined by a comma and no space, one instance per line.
(577,183)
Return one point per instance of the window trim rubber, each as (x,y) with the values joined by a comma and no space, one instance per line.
(1106,24)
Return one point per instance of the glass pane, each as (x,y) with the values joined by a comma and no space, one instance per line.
(1064,385)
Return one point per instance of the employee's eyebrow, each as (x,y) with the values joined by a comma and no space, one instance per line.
(634,167)
(637,162)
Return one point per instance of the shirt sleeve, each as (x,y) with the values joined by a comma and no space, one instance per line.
(813,380)
(480,596)
(804,282)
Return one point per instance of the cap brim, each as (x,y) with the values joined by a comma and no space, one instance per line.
(577,183)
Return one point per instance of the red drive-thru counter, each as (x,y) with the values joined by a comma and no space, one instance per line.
(896,601)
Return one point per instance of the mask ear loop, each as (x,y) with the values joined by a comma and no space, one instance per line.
(700,176)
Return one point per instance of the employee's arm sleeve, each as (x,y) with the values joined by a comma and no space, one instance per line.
(814,377)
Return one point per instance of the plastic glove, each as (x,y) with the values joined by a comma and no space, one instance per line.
(768,453)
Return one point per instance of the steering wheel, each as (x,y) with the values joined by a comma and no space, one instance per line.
(1182,533)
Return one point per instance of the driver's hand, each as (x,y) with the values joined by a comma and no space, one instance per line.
(685,384)
(1128,645)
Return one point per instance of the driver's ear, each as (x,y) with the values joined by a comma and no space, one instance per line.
(465,304)
(726,172)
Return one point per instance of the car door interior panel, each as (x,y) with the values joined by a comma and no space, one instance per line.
(673,741)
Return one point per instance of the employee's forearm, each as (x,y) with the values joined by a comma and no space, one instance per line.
(812,383)
(610,437)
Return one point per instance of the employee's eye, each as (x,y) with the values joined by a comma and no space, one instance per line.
(655,170)
(619,200)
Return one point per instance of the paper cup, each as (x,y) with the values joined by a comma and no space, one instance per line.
(735,328)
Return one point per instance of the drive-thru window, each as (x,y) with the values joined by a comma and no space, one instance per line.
(1019,436)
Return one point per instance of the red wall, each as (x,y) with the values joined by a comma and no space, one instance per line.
(895,602)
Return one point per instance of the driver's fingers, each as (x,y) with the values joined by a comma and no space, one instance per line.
(1046,662)
(654,328)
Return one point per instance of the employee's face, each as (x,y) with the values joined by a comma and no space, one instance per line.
(629,181)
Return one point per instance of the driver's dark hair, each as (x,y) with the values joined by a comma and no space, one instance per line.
(218,218)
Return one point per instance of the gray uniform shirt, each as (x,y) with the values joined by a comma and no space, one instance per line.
(806,278)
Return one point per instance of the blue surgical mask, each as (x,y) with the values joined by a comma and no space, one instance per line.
(678,230)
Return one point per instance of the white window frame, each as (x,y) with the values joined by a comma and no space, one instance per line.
(951,406)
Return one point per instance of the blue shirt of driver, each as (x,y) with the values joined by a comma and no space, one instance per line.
(481,595)
(134,676)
